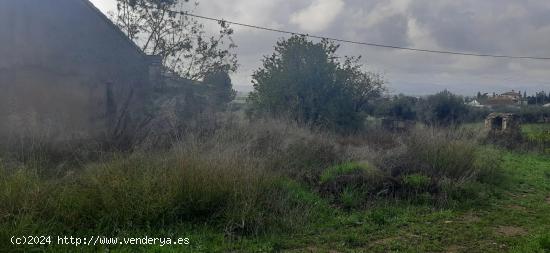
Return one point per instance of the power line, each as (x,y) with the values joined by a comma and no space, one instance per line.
(359,42)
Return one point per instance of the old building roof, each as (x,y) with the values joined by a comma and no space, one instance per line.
(501,115)
(511,93)
(110,23)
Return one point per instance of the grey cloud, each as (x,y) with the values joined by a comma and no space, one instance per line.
(519,27)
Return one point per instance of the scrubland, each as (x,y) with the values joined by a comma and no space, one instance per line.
(235,185)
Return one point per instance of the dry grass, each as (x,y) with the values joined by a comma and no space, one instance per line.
(238,176)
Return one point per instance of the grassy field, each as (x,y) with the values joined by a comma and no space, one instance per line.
(514,218)
(537,132)
(270,187)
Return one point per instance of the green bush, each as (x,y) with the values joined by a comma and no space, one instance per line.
(235,176)
(443,109)
(351,197)
(154,191)
(537,136)
(431,157)
(307,82)
(353,184)
(243,178)
(382,216)
(343,169)
(441,154)
(305,159)
(544,242)
(417,182)
(283,147)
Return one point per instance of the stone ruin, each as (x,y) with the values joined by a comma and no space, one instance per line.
(502,124)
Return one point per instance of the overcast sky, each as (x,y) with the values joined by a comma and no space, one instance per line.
(512,27)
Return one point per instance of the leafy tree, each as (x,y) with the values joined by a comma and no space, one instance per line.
(443,109)
(361,86)
(157,28)
(222,91)
(399,107)
(306,81)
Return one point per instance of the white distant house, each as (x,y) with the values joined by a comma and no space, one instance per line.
(475,103)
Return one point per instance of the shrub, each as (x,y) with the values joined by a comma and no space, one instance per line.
(136,193)
(227,177)
(283,147)
(443,154)
(383,215)
(443,109)
(537,137)
(305,159)
(342,170)
(48,158)
(353,184)
(429,158)
(351,197)
(417,182)
(544,242)
(398,107)
(18,192)
(306,81)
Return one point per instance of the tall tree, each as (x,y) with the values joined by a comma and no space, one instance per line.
(443,109)
(307,82)
(398,107)
(159,28)
(222,89)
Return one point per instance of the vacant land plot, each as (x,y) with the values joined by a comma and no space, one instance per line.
(287,197)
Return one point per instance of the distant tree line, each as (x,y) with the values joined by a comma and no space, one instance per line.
(442,109)
(540,98)
(446,109)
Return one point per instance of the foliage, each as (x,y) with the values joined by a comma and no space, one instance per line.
(305,81)
(537,132)
(223,186)
(351,198)
(536,137)
(352,184)
(222,91)
(226,188)
(417,182)
(181,40)
(544,243)
(398,107)
(441,163)
(533,114)
(540,98)
(476,114)
(443,109)
(342,169)
(189,54)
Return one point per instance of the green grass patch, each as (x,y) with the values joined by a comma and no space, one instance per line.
(344,169)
